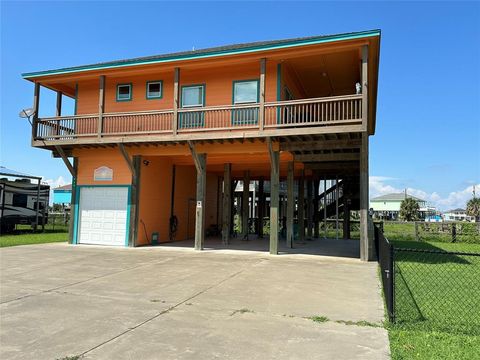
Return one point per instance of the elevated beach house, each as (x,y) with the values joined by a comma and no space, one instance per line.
(156,145)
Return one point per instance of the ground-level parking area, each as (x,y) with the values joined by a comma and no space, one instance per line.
(172,303)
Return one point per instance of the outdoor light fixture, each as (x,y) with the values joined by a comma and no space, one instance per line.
(27,114)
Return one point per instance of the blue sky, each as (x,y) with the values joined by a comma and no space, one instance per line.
(428,122)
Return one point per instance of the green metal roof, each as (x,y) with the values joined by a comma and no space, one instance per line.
(209,52)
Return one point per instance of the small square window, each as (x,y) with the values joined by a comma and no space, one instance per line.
(154,90)
(124,92)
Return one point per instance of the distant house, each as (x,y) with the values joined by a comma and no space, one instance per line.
(63,195)
(388,206)
(457,215)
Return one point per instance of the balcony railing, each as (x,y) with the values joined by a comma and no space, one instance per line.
(317,112)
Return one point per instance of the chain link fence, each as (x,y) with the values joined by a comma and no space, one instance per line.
(436,286)
(430,285)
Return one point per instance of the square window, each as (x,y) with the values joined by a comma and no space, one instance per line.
(124,92)
(154,90)
(245,92)
(193,96)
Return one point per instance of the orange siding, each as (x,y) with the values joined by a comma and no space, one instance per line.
(185,193)
(90,160)
(218,81)
(290,81)
(154,201)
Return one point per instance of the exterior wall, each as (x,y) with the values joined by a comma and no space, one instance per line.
(218,87)
(89,160)
(385,205)
(154,200)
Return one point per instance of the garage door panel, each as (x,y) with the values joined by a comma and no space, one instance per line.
(103,215)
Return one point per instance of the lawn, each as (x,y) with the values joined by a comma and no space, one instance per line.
(437,299)
(24,236)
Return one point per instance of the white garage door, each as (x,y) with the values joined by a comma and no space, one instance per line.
(103,215)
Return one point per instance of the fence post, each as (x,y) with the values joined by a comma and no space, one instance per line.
(391,283)
(416,232)
(454,232)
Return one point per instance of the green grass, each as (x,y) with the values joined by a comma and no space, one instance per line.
(319,319)
(437,299)
(23,236)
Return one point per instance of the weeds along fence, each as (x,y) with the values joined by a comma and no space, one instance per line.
(430,285)
(447,231)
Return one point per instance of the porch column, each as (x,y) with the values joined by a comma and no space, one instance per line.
(325,224)
(134,201)
(290,204)
(36,109)
(261,206)
(74,201)
(309,209)
(316,213)
(245,203)
(200,161)
(301,207)
(101,105)
(261,115)
(366,245)
(58,111)
(176,89)
(227,203)
(274,188)
(346,215)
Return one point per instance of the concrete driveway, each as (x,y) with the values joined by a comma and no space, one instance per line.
(167,303)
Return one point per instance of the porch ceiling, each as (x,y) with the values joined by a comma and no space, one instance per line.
(331,74)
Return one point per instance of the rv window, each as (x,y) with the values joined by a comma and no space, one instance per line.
(20,200)
(41,205)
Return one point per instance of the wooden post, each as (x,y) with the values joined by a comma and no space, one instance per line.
(301,207)
(337,194)
(245,203)
(261,115)
(134,200)
(101,105)
(346,215)
(36,109)
(365,87)
(74,201)
(290,204)
(261,206)
(316,214)
(200,161)
(274,190)
(58,107)
(417,238)
(176,89)
(366,247)
(227,203)
(309,209)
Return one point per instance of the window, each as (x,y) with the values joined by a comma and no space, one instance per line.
(193,95)
(20,200)
(154,89)
(124,92)
(245,91)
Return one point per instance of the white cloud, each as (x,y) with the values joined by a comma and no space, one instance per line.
(60,181)
(456,199)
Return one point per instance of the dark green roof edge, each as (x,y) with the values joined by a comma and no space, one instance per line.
(210,52)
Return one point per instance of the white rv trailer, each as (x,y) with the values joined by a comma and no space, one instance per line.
(22,202)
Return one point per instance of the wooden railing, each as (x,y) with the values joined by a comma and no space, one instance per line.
(330,111)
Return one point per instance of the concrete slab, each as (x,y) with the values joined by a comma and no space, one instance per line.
(151,303)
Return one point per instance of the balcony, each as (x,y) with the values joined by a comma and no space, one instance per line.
(281,118)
